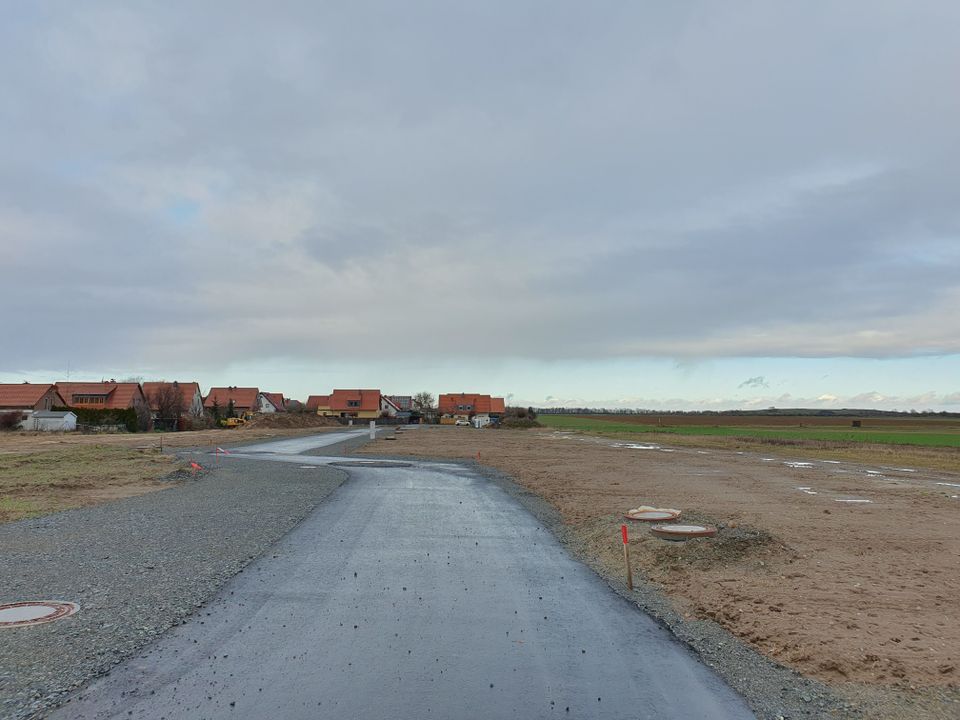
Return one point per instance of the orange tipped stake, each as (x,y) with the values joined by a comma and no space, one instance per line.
(626,555)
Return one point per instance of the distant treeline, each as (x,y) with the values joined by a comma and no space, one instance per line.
(769,412)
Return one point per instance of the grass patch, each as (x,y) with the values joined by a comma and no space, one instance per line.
(906,436)
(14,507)
(36,483)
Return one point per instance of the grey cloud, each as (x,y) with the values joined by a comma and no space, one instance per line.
(755,382)
(559,180)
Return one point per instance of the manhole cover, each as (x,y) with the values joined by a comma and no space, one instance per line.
(653,515)
(34,612)
(370,464)
(682,532)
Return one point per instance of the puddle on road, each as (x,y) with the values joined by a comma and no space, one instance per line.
(371,464)
(852,500)
(802,465)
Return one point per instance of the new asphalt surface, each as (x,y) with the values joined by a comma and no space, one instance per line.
(413,591)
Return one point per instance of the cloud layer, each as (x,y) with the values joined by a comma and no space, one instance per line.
(553,181)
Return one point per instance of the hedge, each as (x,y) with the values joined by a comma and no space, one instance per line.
(90,416)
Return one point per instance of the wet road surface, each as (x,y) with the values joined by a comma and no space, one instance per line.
(293,446)
(414,592)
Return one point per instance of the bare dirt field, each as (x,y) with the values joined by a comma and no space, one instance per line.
(42,473)
(847,572)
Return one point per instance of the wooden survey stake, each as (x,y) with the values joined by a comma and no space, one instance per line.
(626,555)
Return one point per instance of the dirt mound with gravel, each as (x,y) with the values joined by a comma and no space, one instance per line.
(290,421)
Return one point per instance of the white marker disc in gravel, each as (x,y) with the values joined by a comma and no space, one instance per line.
(682,532)
(653,515)
(21,614)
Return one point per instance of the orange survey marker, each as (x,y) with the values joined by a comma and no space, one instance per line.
(626,555)
(195,466)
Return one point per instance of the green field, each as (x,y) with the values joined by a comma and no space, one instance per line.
(906,435)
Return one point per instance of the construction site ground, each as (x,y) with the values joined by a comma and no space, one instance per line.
(847,572)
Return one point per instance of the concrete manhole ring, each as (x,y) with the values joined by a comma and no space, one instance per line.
(370,464)
(35,612)
(653,515)
(683,532)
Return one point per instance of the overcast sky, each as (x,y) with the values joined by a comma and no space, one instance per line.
(683,204)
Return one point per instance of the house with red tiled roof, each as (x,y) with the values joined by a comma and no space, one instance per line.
(369,404)
(27,398)
(246,401)
(471,406)
(109,395)
(191,399)
(277,400)
(316,403)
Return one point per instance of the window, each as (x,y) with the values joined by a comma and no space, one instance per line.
(353,403)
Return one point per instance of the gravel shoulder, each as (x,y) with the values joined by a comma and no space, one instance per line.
(136,566)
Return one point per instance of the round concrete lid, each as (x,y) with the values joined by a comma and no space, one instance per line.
(683,532)
(34,612)
(653,515)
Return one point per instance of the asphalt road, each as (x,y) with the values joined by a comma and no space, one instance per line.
(413,592)
(297,445)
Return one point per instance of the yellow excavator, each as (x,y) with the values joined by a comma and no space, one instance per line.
(233,422)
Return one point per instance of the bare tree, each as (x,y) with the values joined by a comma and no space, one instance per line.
(144,417)
(168,400)
(423,401)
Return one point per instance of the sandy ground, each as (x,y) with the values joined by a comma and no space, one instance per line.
(852,593)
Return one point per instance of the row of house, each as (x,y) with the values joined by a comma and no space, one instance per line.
(165,401)
(168,401)
(479,409)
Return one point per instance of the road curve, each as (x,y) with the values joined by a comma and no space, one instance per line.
(414,592)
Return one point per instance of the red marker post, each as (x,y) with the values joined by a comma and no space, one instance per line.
(626,555)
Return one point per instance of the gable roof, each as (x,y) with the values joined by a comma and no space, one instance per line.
(242,397)
(17,395)
(450,402)
(318,401)
(117,396)
(188,391)
(277,399)
(368,399)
